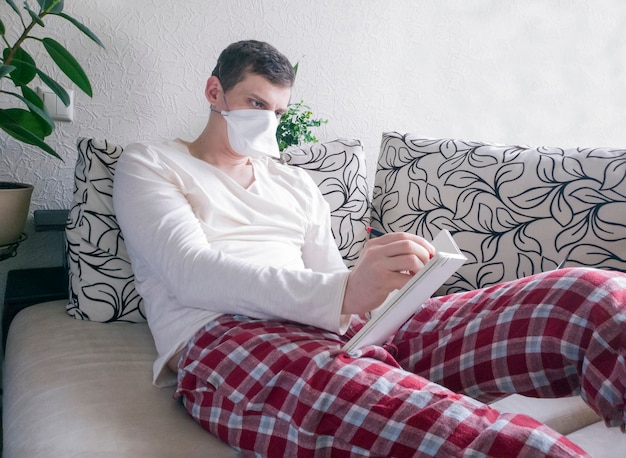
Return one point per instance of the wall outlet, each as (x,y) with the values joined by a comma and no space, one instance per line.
(55,107)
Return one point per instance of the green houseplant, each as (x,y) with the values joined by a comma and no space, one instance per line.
(295,127)
(23,115)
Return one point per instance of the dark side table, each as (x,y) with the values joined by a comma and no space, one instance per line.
(26,287)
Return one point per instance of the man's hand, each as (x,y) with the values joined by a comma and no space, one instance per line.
(385,264)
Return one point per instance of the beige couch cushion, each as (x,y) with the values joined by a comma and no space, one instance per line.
(564,415)
(77,388)
(599,441)
(573,418)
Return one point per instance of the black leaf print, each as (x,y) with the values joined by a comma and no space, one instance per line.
(338,168)
(101,281)
(514,210)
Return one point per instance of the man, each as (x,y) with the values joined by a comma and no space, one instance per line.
(250,303)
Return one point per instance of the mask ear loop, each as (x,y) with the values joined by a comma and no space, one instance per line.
(228,110)
(219,78)
(223,113)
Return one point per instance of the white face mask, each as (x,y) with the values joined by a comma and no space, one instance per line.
(252,132)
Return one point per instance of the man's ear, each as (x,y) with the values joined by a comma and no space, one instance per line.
(213,90)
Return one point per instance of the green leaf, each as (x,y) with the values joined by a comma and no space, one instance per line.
(82,28)
(12,5)
(2,29)
(34,16)
(25,67)
(68,65)
(54,6)
(26,119)
(32,97)
(37,107)
(5,70)
(19,125)
(45,124)
(56,87)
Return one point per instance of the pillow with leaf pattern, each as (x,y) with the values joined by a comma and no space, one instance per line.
(513,210)
(338,168)
(101,280)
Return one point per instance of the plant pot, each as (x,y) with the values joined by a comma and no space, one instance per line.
(14,205)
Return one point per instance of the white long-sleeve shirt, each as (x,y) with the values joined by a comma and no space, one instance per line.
(201,245)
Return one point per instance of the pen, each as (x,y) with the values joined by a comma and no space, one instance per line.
(374,232)
(562,263)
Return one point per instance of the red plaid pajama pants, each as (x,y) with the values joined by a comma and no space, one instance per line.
(281,389)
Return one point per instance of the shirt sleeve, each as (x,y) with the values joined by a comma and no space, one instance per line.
(162,232)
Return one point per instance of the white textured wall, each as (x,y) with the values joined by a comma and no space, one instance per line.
(525,71)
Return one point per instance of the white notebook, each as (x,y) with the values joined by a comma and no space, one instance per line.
(402,304)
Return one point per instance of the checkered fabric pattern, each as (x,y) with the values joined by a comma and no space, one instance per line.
(281,389)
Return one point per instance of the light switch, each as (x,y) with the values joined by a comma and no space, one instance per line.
(55,106)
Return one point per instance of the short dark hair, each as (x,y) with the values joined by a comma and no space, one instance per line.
(251,56)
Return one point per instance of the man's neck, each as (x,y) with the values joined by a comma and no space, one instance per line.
(207,147)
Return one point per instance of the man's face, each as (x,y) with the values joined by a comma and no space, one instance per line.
(256,93)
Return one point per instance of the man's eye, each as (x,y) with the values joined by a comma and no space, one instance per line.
(256,104)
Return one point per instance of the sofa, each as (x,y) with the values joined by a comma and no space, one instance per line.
(77,373)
